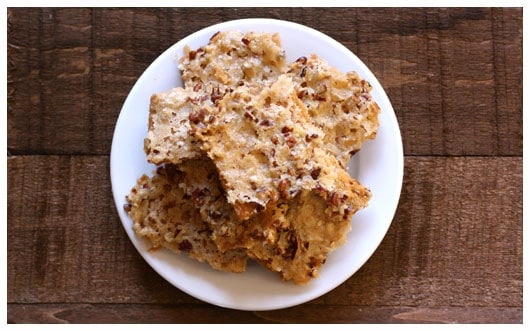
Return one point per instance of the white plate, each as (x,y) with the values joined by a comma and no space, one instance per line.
(379,166)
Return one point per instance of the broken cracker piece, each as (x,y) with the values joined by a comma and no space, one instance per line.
(261,140)
(163,213)
(338,103)
(233,58)
(292,237)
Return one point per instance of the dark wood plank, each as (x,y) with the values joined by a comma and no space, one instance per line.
(135,313)
(394,315)
(131,313)
(508,81)
(456,240)
(442,76)
(66,243)
(453,75)
(49,77)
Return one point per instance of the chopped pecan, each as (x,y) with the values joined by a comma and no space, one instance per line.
(250,116)
(198,100)
(265,122)
(315,173)
(127,207)
(334,198)
(302,94)
(216,95)
(291,172)
(185,246)
(309,137)
(284,187)
(348,211)
(303,73)
(197,87)
(313,262)
(353,152)
(366,96)
(214,35)
(286,130)
(291,142)
(197,116)
(301,60)
(343,198)
(320,97)
(321,189)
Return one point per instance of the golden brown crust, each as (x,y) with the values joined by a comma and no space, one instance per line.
(261,141)
(292,237)
(232,57)
(295,237)
(201,182)
(163,213)
(339,103)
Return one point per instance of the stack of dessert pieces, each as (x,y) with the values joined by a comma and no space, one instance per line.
(251,155)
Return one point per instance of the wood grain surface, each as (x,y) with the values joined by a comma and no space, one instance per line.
(453,253)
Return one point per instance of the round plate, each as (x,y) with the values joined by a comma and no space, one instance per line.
(379,166)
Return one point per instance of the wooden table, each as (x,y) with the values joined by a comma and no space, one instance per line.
(453,253)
